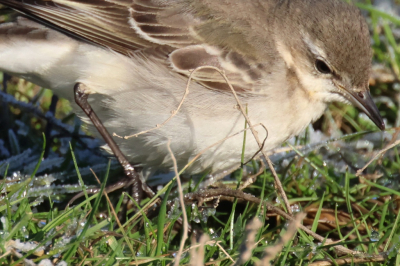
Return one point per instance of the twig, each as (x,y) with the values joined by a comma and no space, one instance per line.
(250,180)
(359,172)
(182,202)
(19,256)
(224,251)
(197,258)
(261,148)
(207,195)
(207,243)
(351,261)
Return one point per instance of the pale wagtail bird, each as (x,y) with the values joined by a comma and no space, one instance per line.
(286,59)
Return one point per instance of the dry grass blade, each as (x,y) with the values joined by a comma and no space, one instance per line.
(207,195)
(272,251)
(114,213)
(351,261)
(359,172)
(246,249)
(182,202)
(197,254)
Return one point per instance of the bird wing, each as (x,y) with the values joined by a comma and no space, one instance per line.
(183,34)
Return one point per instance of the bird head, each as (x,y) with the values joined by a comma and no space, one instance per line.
(327,45)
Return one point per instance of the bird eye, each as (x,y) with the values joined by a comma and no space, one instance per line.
(322,67)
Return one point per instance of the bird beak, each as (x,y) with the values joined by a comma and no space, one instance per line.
(364,102)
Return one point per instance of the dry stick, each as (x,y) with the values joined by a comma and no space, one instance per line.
(83,260)
(206,195)
(359,172)
(224,251)
(18,255)
(347,261)
(182,202)
(395,135)
(284,149)
(262,145)
(8,252)
(250,180)
(209,243)
(197,258)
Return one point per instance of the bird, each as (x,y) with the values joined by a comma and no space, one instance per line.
(285,59)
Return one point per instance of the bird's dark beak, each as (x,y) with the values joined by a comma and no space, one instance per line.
(363,101)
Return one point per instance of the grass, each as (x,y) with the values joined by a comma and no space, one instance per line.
(319,177)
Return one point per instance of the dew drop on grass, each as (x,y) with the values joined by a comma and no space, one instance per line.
(175,210)
(285,163)
(41,224)
(24,232)
(207,212)
(213,234)
(374,237)
(295,208)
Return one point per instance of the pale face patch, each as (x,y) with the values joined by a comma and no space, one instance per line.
(285,53)
(318,87)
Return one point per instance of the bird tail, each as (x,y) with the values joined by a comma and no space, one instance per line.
(30,50)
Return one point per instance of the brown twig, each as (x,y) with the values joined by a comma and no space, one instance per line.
(182,202)
(272,251)
(351,261)
(207,195)
(248,245)
(359,172)
(250,180)
(197,256)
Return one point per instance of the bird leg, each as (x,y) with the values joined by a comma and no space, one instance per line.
(132,176)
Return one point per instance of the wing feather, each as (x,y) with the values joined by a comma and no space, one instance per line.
(166,30)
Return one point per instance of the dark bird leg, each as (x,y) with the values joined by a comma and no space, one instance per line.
(49,126)
(132,176)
